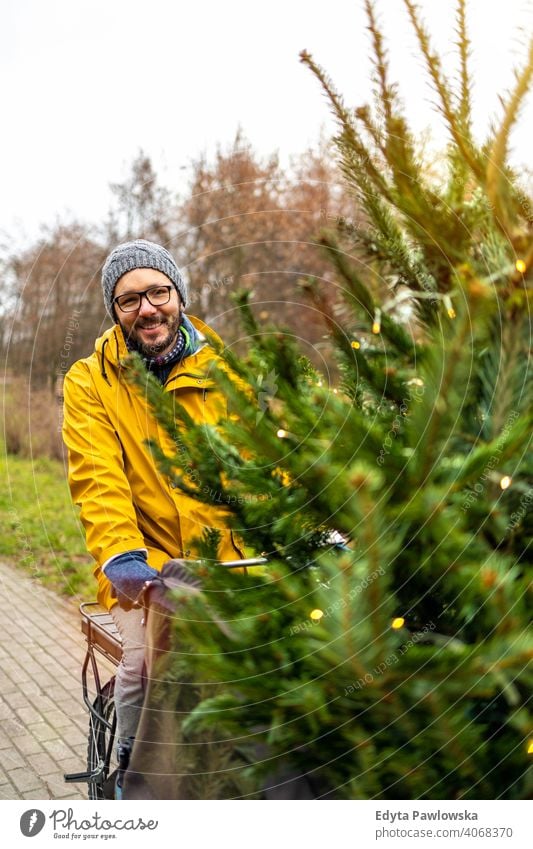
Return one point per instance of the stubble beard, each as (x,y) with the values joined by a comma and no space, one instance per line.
(153,350)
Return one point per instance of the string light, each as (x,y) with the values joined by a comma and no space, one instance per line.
(506,482)
(316,615)
(520,265)
(449,308)
(398,623)
(281,434)
(356,344)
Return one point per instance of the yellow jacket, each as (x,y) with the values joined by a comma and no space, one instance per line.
(126,502)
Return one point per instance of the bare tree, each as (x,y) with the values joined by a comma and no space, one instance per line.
(144,207)
(251,225)
(57,307)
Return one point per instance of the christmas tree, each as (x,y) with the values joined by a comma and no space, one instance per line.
(383,651)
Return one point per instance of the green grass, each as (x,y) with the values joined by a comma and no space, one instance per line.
(39,528)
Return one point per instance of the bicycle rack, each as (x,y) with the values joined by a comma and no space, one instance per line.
(102,636)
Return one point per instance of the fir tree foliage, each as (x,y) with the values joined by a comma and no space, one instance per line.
(383,652)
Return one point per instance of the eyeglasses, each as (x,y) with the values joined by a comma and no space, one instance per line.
(155,295)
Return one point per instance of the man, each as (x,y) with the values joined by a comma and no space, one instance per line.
(135,520)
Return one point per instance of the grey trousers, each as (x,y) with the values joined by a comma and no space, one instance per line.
(129,684)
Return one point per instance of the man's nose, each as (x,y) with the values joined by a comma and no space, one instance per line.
(146,308)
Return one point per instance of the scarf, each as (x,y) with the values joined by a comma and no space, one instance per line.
(187,342)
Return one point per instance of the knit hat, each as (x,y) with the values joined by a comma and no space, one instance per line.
(138,254)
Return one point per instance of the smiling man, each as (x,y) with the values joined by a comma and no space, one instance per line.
(134,517)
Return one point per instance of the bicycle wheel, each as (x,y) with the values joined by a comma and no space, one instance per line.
(101,740)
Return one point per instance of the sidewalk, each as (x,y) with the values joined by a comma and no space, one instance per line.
(43,722)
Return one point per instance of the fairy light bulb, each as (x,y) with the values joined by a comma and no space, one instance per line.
(316,614)
(530,747)
(449,306)
(356,345)
(397,623)
(520,265)
(506,482)
(281,434)
(376,326)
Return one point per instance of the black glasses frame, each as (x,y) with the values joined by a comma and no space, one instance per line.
(140,296)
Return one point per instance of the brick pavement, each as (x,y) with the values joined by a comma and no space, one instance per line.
(43,722)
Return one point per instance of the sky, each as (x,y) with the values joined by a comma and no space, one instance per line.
(88,83)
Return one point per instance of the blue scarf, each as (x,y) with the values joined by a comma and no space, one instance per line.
(187,342)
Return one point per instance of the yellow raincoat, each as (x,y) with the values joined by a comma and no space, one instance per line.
(126,501)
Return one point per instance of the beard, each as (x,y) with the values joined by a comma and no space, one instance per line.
(169,323)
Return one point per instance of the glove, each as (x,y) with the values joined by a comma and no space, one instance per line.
(128,573)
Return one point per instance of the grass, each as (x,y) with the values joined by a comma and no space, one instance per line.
(39,528)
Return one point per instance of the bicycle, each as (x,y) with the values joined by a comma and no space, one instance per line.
(103,640)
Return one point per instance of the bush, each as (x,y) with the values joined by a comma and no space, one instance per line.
(31,420)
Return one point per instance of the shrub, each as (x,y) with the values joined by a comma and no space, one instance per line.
(31,420)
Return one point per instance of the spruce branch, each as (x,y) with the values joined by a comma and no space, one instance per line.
(463,43)
(443,89)
(496,169)
(363,115)
(380,63)
(350,137)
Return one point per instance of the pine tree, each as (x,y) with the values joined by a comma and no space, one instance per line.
(383,652)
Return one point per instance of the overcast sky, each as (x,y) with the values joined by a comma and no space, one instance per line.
(87,83)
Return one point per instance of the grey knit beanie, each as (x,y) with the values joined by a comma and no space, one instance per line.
(138,254)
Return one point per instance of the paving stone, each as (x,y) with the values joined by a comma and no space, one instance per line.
(58,749)
(58,719)
(74,736)
(31,688)
(41,703)
(27,744)
(81,748)
(5,741)
(7,791)
(15,699)
(12,759)
(56,785)
(72,764)
(5,711)
(6,684)
(12,727)
(42,763)
(28,715)
(24,779)
(15,672)
(23,657)
(34,669)
(42,731)
(40,793)
(74,706)
(69,683)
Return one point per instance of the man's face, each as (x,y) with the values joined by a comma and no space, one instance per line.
(152,329)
